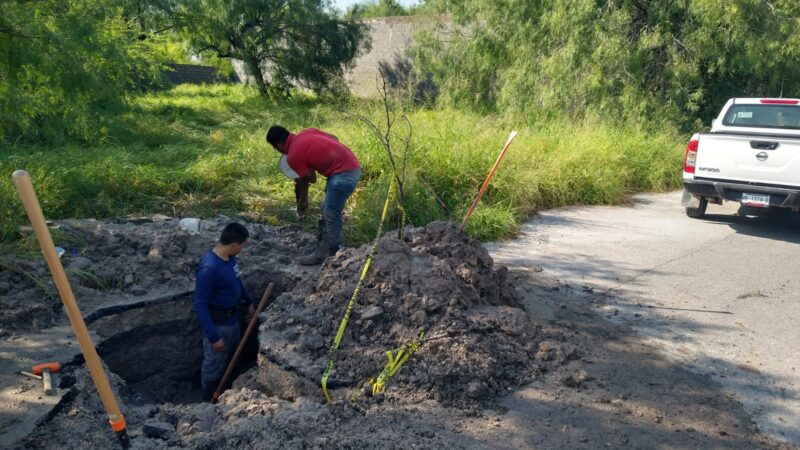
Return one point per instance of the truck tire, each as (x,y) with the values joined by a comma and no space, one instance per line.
(700,211)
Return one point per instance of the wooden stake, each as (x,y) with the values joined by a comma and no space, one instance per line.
(25,188)
(488,179)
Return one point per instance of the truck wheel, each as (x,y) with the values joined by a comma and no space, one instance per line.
(700,211)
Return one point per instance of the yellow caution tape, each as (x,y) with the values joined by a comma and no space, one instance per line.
(343,325)
(396,360)
(403,218)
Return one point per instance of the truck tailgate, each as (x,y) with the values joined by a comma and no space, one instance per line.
(753,159)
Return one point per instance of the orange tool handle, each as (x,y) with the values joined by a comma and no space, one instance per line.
(231,365)
(28,196)
(488,179)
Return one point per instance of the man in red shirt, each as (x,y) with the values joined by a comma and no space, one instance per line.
(311,151)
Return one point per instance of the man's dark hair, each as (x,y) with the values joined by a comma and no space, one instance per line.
(277,135)
(233,232)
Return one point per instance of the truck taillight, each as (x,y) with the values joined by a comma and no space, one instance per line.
(691,156)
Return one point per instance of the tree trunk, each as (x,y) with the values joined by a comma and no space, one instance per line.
(254,68)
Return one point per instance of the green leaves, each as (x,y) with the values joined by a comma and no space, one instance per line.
(380,8)
(281,42)
(675,60)
(62,61)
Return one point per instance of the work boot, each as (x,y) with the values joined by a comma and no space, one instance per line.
(316,257)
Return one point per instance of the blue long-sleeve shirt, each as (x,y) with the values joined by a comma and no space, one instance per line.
(218,283)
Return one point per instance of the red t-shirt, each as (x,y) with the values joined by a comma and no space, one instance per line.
(314,149)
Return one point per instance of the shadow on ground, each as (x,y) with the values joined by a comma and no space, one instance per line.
(631,396)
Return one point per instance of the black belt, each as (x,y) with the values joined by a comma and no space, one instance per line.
(221,314)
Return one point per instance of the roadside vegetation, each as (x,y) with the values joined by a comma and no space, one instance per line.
(639,61)
(200,151)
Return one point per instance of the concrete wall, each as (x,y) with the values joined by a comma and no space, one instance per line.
(390,36)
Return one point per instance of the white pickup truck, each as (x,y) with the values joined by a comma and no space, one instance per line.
(750,156)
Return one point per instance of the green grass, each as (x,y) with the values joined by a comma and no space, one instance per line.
(200,151)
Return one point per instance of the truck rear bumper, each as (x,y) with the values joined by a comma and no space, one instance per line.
(778,196)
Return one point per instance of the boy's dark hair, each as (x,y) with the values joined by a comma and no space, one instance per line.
(233,232)
(277,135)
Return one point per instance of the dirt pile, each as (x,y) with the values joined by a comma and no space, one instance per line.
(110,262)
(435,280)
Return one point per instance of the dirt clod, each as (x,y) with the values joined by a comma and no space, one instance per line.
(577,379)
(559,352)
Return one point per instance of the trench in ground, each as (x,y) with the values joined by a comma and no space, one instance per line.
(157,350)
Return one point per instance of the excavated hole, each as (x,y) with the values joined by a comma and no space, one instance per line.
(157,350)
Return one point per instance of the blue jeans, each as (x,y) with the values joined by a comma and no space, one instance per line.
(338,189)
(215,363)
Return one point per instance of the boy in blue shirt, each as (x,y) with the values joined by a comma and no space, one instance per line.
(219,299)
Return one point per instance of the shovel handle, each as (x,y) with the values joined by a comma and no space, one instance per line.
(231,365)
(28,196)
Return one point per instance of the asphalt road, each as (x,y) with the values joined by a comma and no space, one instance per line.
(720,295)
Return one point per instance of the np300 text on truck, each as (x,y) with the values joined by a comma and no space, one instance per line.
(750,156)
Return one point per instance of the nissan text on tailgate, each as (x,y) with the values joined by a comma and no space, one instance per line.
(750,156)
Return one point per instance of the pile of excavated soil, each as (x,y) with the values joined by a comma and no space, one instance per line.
(125,260)
(434,280)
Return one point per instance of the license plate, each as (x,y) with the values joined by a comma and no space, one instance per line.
(757,200)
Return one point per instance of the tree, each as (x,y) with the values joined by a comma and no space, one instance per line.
(624,59)
(379,8)
(281,42)
(61,61)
